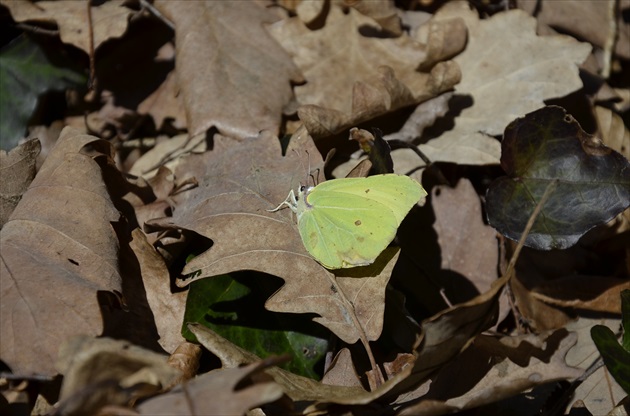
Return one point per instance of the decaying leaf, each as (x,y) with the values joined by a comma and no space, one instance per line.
(297,387)
(508,71)
(342,371)
(360,292)
(225,80)
(167,307)
(219,392)
(186,359)
(237,185)
(104,371)
(17,169)
(493,369)
(468,246)
(614,132)
(593,293)
(165,103)
(109,19)
(362,86)
(444,337)
(584,19)
(58,250)
(593,181)
(167,153)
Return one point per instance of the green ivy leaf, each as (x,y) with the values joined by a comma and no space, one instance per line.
(616,359)
(625,319)
(616,356)
(593,181)
(233,307)
(25,74)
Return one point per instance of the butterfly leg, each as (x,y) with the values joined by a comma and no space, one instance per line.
(290,202)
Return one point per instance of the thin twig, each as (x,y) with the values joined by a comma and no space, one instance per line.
(530,223)
(145,4)
(36,29)
(92,83)
(611,37)
(512,264)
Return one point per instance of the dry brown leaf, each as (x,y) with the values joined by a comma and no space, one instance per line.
(551,286)
(584,19)
(422,117)
(109,19)
(238,183)
(17,169)
(444,39)
(298,388)
(47,136)
(186,359)
(167,153)
(165,103)
(445,336)
(493,371)
(384,12)
(342,371)
(308,11)
(508,71)
(468,246)
(535,314)
(58,249)
(231,72)
(614,133)
(167,307)
(593,293)
(346,82)
(100,371)
(219,392)
(151,199)
(328,297)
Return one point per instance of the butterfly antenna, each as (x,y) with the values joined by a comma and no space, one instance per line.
(308,158)
(300,159)
(315,178)
(309,173)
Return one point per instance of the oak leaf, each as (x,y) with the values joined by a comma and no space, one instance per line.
(507,76)
(109,20)
(58,250)
(232,74)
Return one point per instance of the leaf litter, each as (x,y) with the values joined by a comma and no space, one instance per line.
(107,238)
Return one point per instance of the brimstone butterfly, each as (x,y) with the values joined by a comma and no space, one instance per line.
(348,222)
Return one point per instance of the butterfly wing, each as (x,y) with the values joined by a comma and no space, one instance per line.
(399,193)
(345,230)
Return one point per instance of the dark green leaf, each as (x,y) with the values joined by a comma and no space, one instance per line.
(625,319)
(617,359)
(233,307)
(25,73)
(546,145)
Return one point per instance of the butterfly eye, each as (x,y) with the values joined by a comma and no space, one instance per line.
(303,188)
